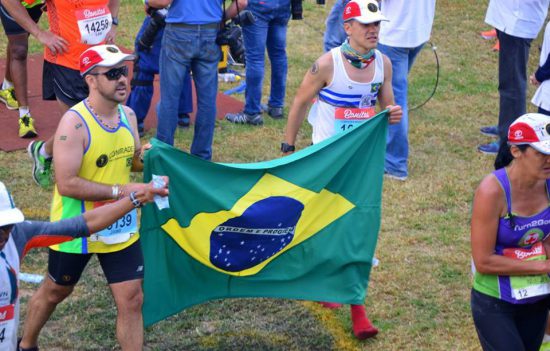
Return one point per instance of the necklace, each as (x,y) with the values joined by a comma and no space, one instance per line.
(101,120)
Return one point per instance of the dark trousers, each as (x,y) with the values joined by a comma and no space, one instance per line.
(502,326)
(512,79)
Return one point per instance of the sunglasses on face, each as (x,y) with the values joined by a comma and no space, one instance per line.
(114,73)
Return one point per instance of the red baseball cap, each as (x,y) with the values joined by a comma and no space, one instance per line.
(532,129)
(103,56)
(364,11)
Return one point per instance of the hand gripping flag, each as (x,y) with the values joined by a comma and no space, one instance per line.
(303,226)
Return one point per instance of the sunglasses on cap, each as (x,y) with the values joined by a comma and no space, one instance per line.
(114,73)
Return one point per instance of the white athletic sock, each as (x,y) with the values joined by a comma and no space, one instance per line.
(23,110)
(43,151)
(546,338)
(6,84)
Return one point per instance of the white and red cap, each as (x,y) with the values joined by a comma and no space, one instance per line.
(532,129)
(364,11)
(103,56)
(9,214)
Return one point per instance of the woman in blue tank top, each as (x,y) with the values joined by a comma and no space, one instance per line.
(509,235)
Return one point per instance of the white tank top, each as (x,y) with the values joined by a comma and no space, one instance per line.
(344,103)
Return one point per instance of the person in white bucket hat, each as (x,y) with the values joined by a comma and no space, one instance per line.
(18,236)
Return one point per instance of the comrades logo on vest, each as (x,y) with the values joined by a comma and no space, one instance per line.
(102,161)
(264,229)
(531,237)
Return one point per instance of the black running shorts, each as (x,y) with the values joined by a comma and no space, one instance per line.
(62,83)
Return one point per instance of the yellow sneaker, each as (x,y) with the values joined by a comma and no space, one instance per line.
(7,96)
(26,127)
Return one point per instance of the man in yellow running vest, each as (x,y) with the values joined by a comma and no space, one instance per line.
(96,147)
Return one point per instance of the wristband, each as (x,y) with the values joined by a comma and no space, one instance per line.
(135,202)
(115,21)
(287,148)
(115,191)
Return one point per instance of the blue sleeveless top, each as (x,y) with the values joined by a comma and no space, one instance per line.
(519,238)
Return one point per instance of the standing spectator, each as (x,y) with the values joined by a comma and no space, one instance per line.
(541,77)
(352,77)
(69,35)
(189,44)
(268,31)
(146,66)
(517,23)
(14,88)
(401,39)
(334,32)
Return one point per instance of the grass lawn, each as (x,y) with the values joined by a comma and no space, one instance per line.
(418,295)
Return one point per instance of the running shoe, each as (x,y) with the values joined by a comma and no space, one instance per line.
(7,96)
(274,112)
(488,149)
(42,167)
(26,127)
(245,118)
(491,131)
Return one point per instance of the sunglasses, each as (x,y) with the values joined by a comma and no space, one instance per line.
(114,73)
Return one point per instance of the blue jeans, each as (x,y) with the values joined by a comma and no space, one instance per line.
(397,145)
(146,66)
(269,31)
(334,32)
(185,49)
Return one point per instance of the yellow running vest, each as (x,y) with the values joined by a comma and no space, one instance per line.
(107,159)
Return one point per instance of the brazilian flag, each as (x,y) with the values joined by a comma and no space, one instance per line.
(300,227)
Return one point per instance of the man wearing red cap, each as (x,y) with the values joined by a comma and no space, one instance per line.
(96,147)
(74,26)
(352,76)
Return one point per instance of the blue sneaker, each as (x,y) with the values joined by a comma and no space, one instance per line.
(489,131)
(489,149)
(274,112)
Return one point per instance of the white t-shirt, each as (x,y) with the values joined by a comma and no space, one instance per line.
(542,95)
(410,22)
(519,18)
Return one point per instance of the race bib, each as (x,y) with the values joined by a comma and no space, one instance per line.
(93,24)
(7,327)
(527,286)
(347,118)
(120,231)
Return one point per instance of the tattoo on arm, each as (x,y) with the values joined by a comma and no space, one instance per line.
(314,68)
(78,126)
(63,137)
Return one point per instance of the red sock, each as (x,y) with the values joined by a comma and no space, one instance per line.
(362,327)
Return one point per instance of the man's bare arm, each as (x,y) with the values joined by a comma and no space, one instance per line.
(114,6)
(231,11)
(318,76)
(55,43)
(137,165)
